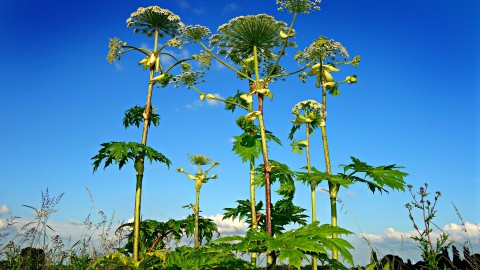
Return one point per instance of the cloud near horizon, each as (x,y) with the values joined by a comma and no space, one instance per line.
(4,209)
(391,241)
(458,233)
(229,226)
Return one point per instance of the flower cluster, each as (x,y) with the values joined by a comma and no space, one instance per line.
(115,49)
(187,78)
(204,59)
(240,35)
(195,32)
(147,20)
(298,6)
(311,105)
(322,48)
(308,112)
(175,42)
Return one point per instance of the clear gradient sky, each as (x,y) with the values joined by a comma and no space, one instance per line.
(415,105)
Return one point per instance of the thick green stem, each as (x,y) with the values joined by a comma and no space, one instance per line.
(268,200)
(196,210)
(309,170)
(266,165)
(252,205)
(282,51)
(253,210)
(136,217)
(332,188)
(313,186)
(138,190)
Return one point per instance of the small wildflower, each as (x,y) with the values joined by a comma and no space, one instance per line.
(408,206)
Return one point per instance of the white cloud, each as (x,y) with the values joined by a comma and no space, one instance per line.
(400,243)
(194,105)
(457,233)
(117,66)
(232,7)
(199,11)
(73,221)
(460,234)
(229,226)
(4,209)
(183,4)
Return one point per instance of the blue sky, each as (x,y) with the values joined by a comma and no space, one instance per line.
(416,105)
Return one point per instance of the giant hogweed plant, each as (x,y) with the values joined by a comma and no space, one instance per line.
(158,23)
(248,42)
(200,177)
(160,236)
(323,57)
(308,113)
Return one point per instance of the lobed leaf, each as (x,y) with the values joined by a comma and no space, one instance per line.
(381,176)
(122,152)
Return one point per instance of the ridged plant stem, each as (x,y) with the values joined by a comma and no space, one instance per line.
(196,210)
(253,210)
(313,186)
(332,188)
(266,165)
(141,160)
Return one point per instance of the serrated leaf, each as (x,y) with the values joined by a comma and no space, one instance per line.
(381,176)
(122,152)
(317,176)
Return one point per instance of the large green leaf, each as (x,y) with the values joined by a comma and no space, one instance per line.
(122,152)
(381,176)
(248,145)
(294,245)
(316,176)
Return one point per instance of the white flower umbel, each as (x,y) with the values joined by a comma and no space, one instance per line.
(146,20)
(322,48)
(298,6)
